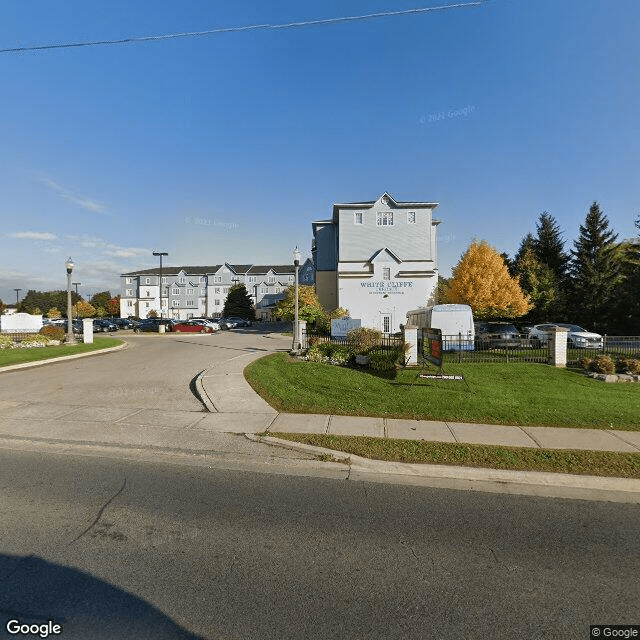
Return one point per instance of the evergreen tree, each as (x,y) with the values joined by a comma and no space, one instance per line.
(238,303)
(481,280)
(627,296)
(595,272)
(549,246)
(539,284)
(527,243)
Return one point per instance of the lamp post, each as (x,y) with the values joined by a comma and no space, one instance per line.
(76,285)
(17,295)
(296,327)
(160,254)
(70,337)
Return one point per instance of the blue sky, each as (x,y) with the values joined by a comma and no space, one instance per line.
(226,147)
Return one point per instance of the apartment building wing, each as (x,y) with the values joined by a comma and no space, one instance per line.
(378,259)
(189,291)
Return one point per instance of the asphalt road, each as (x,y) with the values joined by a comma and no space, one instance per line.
(153,372)
(113,549)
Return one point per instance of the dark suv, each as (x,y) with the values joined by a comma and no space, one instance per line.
(497,335)
(152,324)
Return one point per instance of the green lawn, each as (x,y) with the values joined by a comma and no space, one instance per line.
(594,463)
(492,393)
(18,356)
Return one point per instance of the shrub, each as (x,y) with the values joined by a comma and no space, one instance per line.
(384,360)
(363,339)
(53,332)
(6,342)
(602,364)
(314,354)
(628,365)
(585,363)
(341,354)
(326,348)
(36,338)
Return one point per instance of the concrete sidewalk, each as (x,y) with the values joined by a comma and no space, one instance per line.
(229,396)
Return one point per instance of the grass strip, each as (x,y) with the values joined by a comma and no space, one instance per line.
(520,394)
(19,356)
(592,463)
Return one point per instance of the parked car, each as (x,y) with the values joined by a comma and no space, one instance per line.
(226,323)
(104,325)
(209,322)
(577,337)
(497,335)
(194,326)
(152,324)
(240,322)
(124,323)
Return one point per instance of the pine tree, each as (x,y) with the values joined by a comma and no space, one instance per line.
(527,243)
(481,280)
(238,303)
(595,272)
(549,246)
(539,284)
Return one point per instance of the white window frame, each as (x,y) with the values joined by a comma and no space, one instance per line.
(386,273)
(182,281)
(164,280)
(252,279)
(130,292)
(189,292)
(128,280)
(357,217)
(175,303)
(411,217)
(147,280)
(175,291)
(384,219)
(386,323)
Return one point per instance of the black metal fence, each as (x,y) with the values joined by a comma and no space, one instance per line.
(309,338)
(458,348)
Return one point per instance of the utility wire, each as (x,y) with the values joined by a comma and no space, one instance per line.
(253,27)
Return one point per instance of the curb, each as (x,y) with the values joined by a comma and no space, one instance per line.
(531,478)
(39,363)
(202,393)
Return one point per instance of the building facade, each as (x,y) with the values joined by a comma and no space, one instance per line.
(200,291)
(377,259)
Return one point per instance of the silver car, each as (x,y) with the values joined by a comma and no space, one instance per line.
(577,337)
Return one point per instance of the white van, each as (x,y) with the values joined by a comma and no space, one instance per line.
(455,321)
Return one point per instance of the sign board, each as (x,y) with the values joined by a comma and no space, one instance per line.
(432,346)
(341,327)
(21,323)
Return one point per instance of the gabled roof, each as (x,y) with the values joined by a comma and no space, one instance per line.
(168,271)
(379,253)
(368,204)
(262,269)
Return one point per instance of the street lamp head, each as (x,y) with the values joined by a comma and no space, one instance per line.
(69,264)
(296,256)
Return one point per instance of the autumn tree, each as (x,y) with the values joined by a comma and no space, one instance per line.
(113,306)
(309,307)
(83,309)
(239,303)
(595,271)
(481,280)
(54,314)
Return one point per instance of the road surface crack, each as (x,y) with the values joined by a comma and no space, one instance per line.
(100,512)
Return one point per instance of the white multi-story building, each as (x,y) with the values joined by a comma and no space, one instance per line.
(377,259)
(194,291)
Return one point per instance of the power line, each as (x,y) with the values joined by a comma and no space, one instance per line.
(253,27)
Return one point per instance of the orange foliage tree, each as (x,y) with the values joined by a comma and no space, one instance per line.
(481,280)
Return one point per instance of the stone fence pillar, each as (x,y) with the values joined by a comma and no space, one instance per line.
(558,346)
(411,338)
(87,330)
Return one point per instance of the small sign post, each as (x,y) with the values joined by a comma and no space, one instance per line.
(432,354)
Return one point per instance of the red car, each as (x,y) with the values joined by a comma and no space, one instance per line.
(194,326)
